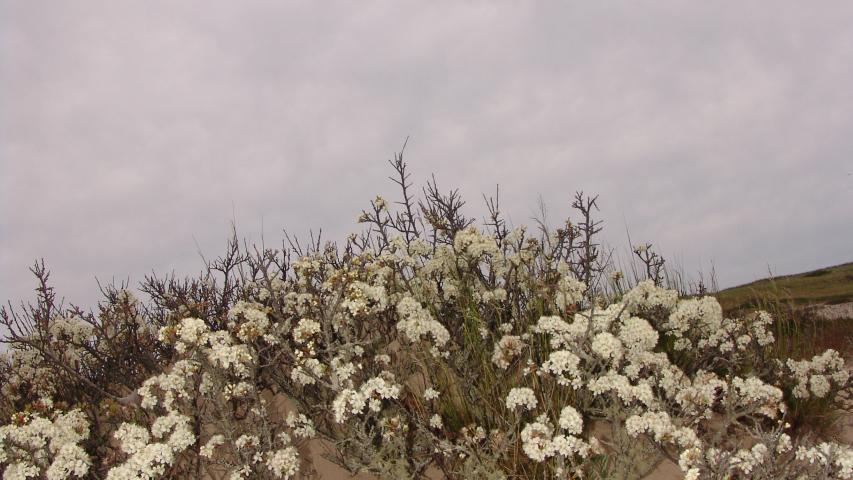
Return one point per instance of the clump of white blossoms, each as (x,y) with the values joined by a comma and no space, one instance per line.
(283,463)
(37,446)
(829,456)
(540,441)
(571,421)
(506,350)
(816,377)
(417,323)
(570,291)
(564,365)
(431,394)
(305,329)
(371,394)
(472,243)
(249,320)
(607,346)
(521,397)
(148,459)
(536,440)
(638,335)
(647,296)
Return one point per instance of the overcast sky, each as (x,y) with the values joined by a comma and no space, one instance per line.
(130,131)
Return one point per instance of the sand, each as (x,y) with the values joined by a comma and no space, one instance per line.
(835,312)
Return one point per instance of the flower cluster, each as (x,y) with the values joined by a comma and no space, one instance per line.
(507,349)
(45,444)
(370,394)
(417,323)
(647,297)
(540,441)
(147,459)
(819,376)
(570,291)
(521,397)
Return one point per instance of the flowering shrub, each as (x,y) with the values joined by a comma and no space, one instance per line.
(422,343)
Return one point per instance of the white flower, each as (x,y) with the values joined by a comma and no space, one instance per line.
(660,425)
(521,397)
(346,403)
(606,346)
(536,440)
(563,364)
(152,459)
(249,319)
(761,321)
(343,371)
(619,384)
(638,335)
(20,471)
(305,329)
(362,298)
(818,374)
(284,463)
(647,296)
(688,458)
(224,354)
(70,460)
(567,446)
(701,318)
(370,394)
(305,374)
(247,441)
(189,333)
(752,391)
(472,243)
(208,448)
(435,421)
(571,421)
(507,348)
(133,438)
(35,446)
(563,334)
(416,322)
(301,425)
(570,291)
(819,385)
(431,394)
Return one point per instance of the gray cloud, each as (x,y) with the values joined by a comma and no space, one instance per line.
(128,129)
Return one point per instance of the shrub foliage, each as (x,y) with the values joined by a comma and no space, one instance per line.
(423,343)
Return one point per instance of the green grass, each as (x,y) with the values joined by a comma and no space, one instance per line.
(830,285)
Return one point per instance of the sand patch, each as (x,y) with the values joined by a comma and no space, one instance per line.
(835,312)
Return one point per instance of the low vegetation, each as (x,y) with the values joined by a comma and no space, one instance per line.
(830,285)
(421,344)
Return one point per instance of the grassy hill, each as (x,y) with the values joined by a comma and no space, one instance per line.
(795,301)
(830,285)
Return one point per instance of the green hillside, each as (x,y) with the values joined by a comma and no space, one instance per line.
(830,285)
